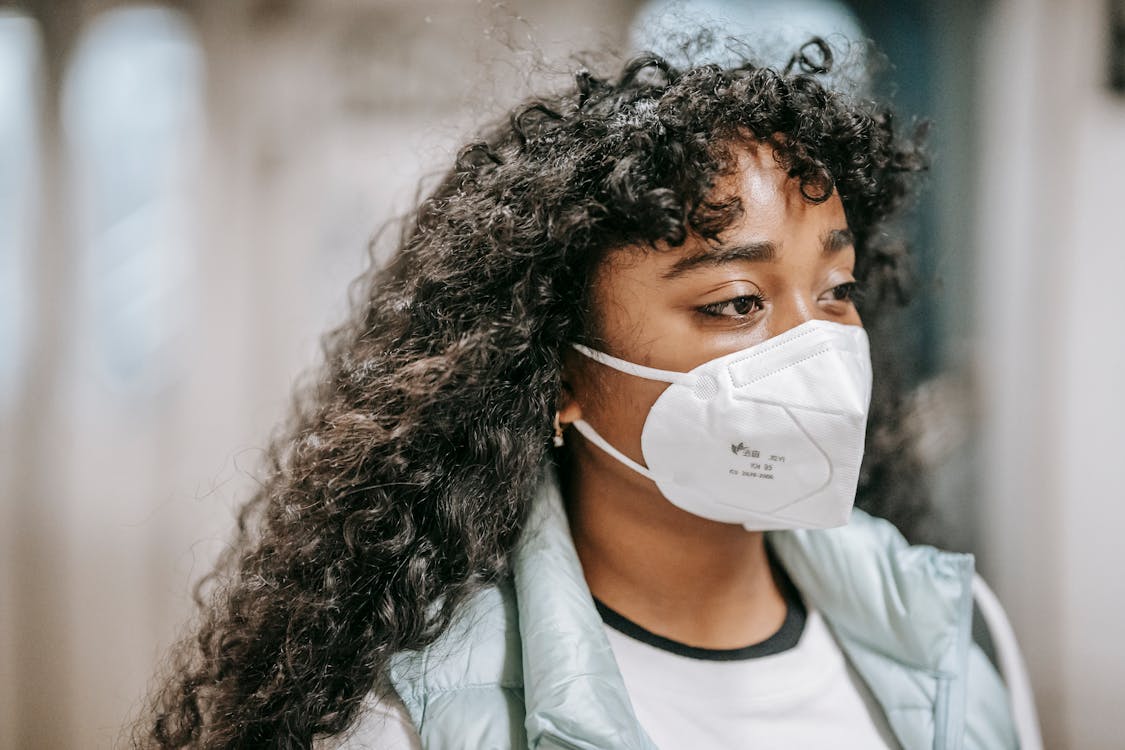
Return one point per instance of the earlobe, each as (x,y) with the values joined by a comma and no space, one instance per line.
(566,412)
(569,410)
(567,407)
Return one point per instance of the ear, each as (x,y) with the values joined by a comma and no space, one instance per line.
(567,403)
(569,408)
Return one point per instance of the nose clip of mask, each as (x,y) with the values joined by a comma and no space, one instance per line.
(770,437)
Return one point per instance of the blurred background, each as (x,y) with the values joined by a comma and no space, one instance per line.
(187,187)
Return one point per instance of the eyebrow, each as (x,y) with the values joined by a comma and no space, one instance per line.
(754,252)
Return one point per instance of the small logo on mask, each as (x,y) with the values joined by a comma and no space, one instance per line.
(742,450)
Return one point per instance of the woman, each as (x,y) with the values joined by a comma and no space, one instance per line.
(527,503)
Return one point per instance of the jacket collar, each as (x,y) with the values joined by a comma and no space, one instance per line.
(902,614)
(569,670)
(911,605)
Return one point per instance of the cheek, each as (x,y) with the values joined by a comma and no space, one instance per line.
(617,405)
(626,304)
(626,319)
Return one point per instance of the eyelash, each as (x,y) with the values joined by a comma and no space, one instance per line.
(846,292)
(715,308)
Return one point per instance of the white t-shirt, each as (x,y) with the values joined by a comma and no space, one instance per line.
(804,697)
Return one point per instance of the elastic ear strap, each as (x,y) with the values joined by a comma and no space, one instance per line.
(592,435)
(629,368)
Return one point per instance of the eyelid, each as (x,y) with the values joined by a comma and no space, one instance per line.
(733,287)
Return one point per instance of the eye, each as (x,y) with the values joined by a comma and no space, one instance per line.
(737,307)
(846,292)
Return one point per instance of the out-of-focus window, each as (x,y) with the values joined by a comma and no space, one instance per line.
(771,30)
(20,55)
(133,115)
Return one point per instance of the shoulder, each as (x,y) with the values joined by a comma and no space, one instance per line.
(383,724)
(903,613)
(481,646)
(473,670)
(466,689)
(910,603)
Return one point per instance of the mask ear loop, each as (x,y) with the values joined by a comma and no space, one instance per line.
(629,368)
(592,435)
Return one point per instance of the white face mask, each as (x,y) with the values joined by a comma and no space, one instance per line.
(770,437)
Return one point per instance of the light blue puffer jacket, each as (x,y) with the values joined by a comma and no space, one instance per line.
(528,665)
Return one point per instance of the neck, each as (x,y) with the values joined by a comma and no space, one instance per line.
(696,581)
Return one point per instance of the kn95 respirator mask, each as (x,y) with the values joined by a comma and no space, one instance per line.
(770,437)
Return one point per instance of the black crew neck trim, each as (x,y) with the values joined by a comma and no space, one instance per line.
(785,638)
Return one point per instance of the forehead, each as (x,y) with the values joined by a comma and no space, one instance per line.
(769,197)
(773,211)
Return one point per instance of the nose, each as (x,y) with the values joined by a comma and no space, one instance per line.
(791,311)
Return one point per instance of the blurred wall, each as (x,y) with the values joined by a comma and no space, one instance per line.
(1051,355)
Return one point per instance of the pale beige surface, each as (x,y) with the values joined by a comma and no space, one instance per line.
(1049,357)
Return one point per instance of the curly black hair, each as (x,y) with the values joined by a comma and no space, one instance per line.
(401,481)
